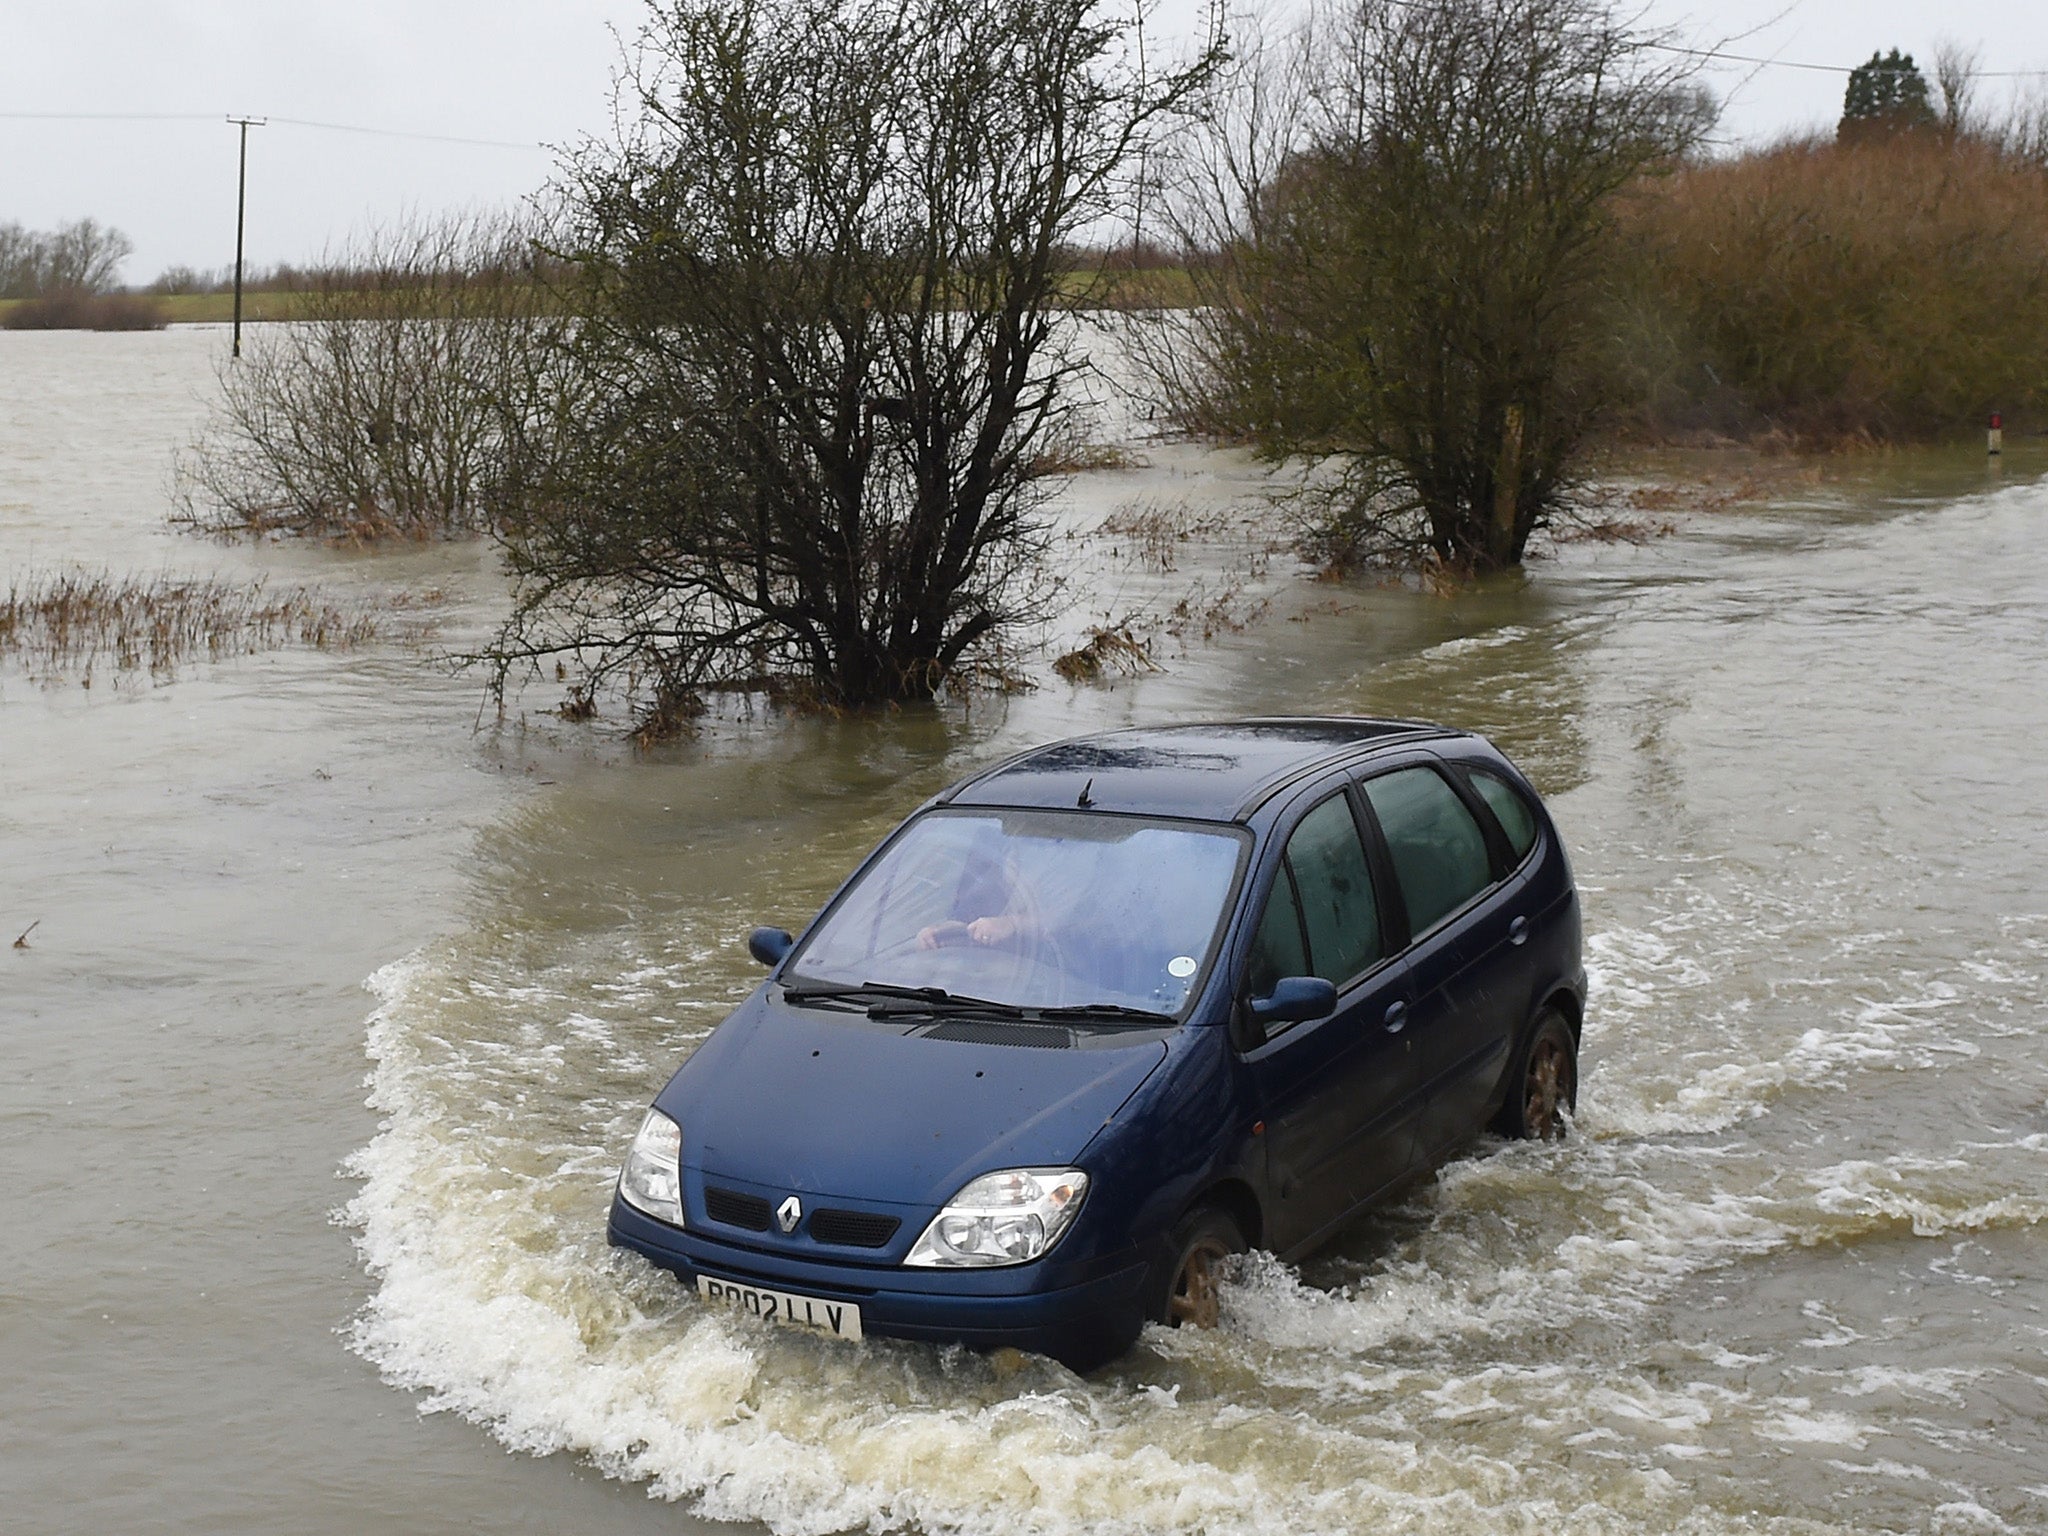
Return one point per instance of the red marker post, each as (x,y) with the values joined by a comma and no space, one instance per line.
(1997,434)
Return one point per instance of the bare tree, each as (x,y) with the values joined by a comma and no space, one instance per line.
(795,439)
(1955,82)
(1398,225)
(83,257)
(386,407)
(20,254)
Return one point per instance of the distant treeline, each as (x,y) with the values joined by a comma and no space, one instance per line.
(311,277)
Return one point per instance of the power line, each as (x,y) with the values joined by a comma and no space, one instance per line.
(1829,69)
(1746,58)
(399,133)
(117,117)
(294,122)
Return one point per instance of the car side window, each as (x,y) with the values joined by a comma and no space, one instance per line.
(1279,949)
(1439,853)
(1508,807)
(1338,911)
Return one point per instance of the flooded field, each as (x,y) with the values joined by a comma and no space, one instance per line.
(1789,1276)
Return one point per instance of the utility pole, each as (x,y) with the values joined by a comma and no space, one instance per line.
(241,210)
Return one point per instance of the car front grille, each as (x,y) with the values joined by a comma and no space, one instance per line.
(842,1229)
(853,1229)
(730,1208)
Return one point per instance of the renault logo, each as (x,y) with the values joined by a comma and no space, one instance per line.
(789,1213)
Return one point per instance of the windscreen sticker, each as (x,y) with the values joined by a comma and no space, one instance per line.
(1182,966)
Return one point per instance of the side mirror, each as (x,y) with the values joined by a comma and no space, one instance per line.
(1296,1000)
(769,945)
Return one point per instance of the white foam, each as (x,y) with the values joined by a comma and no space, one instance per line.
(1398,1398)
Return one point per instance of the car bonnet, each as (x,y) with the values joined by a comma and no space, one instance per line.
(821,1102)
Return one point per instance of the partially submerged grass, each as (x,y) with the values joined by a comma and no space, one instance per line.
(74,621)
(1109,650)
(1151,532)
(1079,458)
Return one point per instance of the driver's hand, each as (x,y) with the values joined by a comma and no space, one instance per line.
(939,934)
(992,930)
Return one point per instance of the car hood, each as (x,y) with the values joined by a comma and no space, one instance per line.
(829,1103)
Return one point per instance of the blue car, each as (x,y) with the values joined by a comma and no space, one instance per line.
(1100,1016)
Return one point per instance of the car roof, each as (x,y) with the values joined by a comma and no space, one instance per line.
(1220,771)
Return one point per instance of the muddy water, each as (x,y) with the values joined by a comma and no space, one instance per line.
(1788,1276)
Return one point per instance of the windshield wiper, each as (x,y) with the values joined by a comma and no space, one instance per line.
(1106,1012)
(890,1000)
(887,1000)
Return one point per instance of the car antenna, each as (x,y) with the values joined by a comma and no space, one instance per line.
(1085,800)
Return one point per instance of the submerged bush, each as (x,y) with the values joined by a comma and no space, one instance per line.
(801,437)
(386,409)
(1398,229)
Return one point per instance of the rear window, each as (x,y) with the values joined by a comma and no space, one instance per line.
(1508,807)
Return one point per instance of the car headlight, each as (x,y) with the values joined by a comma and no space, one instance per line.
(652,1180)
(1010,1217)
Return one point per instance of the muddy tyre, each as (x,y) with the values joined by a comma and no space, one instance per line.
(1543,1089)
(1184,1287)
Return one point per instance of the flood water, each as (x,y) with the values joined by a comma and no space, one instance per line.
(342,1010)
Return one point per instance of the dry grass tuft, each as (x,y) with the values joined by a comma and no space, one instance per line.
(1152,532)
(1110,650)
(78,620)
(1083,458)
(671,710)
(1206,612)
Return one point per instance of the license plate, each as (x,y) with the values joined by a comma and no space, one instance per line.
(840,1319)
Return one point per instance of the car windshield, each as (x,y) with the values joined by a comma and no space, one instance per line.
(1034,909)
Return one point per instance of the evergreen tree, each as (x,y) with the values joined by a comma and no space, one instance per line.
(1886,96)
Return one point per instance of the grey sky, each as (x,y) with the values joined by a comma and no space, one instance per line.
(538,71)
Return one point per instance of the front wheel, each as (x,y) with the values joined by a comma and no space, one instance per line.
(1544,1090)
(1186,1294)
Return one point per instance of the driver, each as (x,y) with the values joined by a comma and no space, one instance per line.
(996,888)
(1017,904)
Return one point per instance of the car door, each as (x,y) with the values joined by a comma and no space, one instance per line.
(1336,1094)
(1463,946)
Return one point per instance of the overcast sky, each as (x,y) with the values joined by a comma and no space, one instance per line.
(537,72)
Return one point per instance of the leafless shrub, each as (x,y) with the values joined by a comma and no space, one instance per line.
(387,410)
